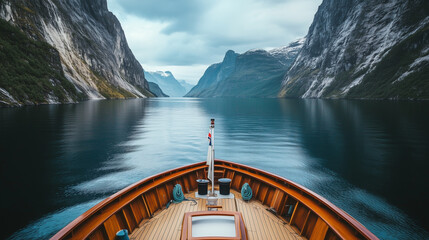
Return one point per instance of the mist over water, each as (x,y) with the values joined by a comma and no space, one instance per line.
(370,158)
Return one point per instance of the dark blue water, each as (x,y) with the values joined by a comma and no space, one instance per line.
(371,158)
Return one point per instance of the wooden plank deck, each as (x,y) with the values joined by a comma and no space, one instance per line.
(261,224)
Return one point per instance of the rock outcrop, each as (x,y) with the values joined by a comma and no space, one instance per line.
(90,44)
(255,73)
(156,90)
(167,82)
(364,49)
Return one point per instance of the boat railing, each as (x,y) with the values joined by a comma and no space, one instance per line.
(132,205)
(308,213)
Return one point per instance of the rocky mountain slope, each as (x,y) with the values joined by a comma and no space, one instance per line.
(214,74)
(156,90)
(86,40)
(186,85)
(30,70)
(255,73)
(364,49)
(167,82)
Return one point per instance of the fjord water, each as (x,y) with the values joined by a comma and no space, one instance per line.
(370,158)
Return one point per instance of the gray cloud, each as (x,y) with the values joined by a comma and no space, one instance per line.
(196,32)
(182,15)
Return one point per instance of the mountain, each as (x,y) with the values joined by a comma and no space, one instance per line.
(364,49)
(31,71)
(287,54)
(186,85)
(214,74)
(156,90)
(255,73)
(82,45)
(167,82)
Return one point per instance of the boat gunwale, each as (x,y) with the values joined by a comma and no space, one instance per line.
(140,185)
(99,206)
(338,211)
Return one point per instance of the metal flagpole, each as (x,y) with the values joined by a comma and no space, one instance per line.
(212,160)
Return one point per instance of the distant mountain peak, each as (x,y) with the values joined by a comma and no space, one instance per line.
(230,56)
(286,53)
(293,46)
(186,85)
(256,50)
(255,73)
(229,53)
(162,73)
(167,82)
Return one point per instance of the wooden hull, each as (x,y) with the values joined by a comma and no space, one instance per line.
(313,216)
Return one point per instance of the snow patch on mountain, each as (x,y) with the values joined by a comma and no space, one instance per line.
(254,73)
(164,74)
(167,82)
(286,50)
(346,42)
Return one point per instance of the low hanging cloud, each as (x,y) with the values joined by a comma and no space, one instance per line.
(189,34)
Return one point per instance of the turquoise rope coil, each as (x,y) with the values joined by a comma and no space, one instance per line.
(246,192)
(122,235)
(178,195)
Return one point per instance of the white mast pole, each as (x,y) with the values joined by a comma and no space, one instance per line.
(213,156)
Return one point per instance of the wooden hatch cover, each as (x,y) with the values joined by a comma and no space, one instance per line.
(207,225)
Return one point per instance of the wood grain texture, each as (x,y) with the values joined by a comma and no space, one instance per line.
(260,223)
(312,217)
(341,224)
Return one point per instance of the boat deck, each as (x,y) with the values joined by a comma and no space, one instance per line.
(261,224)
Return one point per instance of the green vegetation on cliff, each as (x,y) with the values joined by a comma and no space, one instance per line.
(385,82)
(31,71)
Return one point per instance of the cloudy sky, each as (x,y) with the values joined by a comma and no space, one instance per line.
(186,36)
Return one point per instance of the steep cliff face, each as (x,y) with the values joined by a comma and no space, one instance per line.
(93,51)
(255,73)
(156,90)
(30,71)
(364,49)
(214,74)
(167,82)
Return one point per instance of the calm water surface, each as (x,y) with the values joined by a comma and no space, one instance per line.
(371,158)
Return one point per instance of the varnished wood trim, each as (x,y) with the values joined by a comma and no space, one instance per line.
(293,213)
(305,222)
(283,205)
(316,203)
(264,184)
(238,220)
(213,206)
(146,206)
(85,224)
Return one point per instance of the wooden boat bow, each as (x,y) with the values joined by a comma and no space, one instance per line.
(312,216)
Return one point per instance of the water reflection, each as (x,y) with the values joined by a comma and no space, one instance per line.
(368,157)
(377,146)
(364,156)
(46,149)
